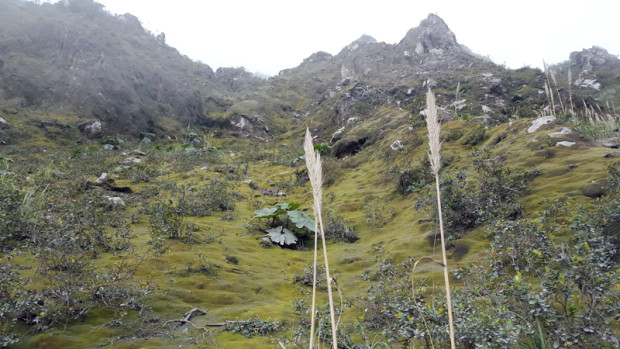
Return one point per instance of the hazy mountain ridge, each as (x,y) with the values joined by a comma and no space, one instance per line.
(74,56)
(77,57)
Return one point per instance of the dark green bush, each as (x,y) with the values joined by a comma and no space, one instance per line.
(253,327)
(336,229)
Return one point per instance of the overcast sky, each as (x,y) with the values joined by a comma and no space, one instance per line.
(270,35)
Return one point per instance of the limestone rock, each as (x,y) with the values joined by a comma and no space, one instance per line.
(116,200)
(536,124)
(3,123)
(103,179)
(132,160)
(613,142)
(397,145)
(565,144)
(564,131)
(91,129)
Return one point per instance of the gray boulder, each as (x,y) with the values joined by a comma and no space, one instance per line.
(538,123)
(91,129)
(613,142)
(3,123)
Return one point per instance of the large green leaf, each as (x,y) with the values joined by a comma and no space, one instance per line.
(301,220)
(275,211)
(282,236)
(266,212)
(285,206)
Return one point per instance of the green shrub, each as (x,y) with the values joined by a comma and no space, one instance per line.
(336,229)
(475,136)
(378,211)
(253,327)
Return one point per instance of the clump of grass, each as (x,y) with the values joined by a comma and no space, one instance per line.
(598,125)
(313,162)
(434,155)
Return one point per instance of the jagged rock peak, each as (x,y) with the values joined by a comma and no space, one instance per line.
(318,57)
(591,57)
(432,36)
(363,40)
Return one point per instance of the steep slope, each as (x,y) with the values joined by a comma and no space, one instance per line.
(74,56)
(160,242)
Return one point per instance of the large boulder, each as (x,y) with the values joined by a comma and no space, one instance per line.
(538,123)
(91,129)
(3,123)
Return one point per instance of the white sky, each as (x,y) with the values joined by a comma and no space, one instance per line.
(270,35)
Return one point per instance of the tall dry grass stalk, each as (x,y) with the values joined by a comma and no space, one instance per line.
(570,91)
(432,123)
(315,172)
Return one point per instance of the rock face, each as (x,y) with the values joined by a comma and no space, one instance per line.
(432,36)
(588,62)
(91,129)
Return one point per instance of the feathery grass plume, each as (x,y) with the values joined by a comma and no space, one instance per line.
(456,97)
(315,172)
(432,123)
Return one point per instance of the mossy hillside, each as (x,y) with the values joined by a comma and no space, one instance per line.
(262,283)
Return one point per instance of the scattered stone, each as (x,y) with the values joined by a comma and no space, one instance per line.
(613,142)
(397,145)
(536,124)
(204,168)
(564,131)
(270,192)
(146,140)
(135,151)
(104,178)
(281,194)
(3,123)
(108,147)
(132,160)
(565,144)
(115,200)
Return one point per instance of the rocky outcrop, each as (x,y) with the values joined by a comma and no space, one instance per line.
(91,129)
(432,36)
(587,62)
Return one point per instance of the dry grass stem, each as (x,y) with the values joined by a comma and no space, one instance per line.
(315,172)
(570,91)
(432,123)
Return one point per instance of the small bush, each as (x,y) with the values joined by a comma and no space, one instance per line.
(253,327)
(378,211)
(336,229)
(474,137)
